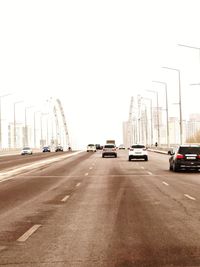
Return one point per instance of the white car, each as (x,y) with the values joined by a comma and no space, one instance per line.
(26,151)
(138,151)
(91,147)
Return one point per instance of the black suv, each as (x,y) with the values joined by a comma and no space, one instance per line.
(59,148)
(185,157)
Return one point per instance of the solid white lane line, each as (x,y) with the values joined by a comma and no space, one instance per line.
(86,174)
(165,183)
(150,173)
(31,166)
(78,184)
(188,196)
(26,235)
(65,198)
(5,179)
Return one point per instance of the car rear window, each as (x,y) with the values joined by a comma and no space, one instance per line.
(189,150)
(91,145)
(138,146)
(109,146)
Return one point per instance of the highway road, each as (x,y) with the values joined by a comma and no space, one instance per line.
(82,210)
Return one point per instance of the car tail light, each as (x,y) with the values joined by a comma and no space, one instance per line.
(131,149)
(179,156)
(198,156)
(113,149)
(144,149)
(103,149)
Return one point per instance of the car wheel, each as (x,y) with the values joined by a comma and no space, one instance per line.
(170,167)
(102,156)
(175,168)
(146,159)
(129,159)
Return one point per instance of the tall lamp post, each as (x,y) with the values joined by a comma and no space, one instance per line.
(139,117)
(167,113)
(41,123)
(34,126)
(15,103)
(25,126)
(180,102)
(1,119)
(149,99)
(158,120)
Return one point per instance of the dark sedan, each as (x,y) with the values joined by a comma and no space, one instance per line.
(59,148)
(46,149)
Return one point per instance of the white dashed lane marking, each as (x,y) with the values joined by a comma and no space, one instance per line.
(86,174)
(11,174)
(26,235)
(78,184)
(91,168)
(188,196)
(65,198)
(150,173)
(165,183)
(2,248)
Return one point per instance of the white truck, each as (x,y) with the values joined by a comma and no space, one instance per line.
(110,142)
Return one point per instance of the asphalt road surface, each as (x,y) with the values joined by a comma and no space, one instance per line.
(82,210)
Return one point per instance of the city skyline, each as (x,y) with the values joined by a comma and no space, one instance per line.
(95,56)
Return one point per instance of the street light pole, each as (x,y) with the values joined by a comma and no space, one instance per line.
(145,98)
(41,123)
(15,122)
(180,102)
(25,124)
(34,125)
(158,120)
(139,118)
(167,113)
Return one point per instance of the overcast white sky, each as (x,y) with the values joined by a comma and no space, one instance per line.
(94,55)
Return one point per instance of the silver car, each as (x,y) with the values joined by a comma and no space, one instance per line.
(109,150)
(26,151)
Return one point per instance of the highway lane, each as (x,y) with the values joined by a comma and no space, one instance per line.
(93,211)
(8,161)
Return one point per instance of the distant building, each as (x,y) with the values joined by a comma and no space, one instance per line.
(174,130)
(19,133)
(193,125)
(157,117)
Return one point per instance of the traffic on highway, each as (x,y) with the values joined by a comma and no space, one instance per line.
(75,208)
